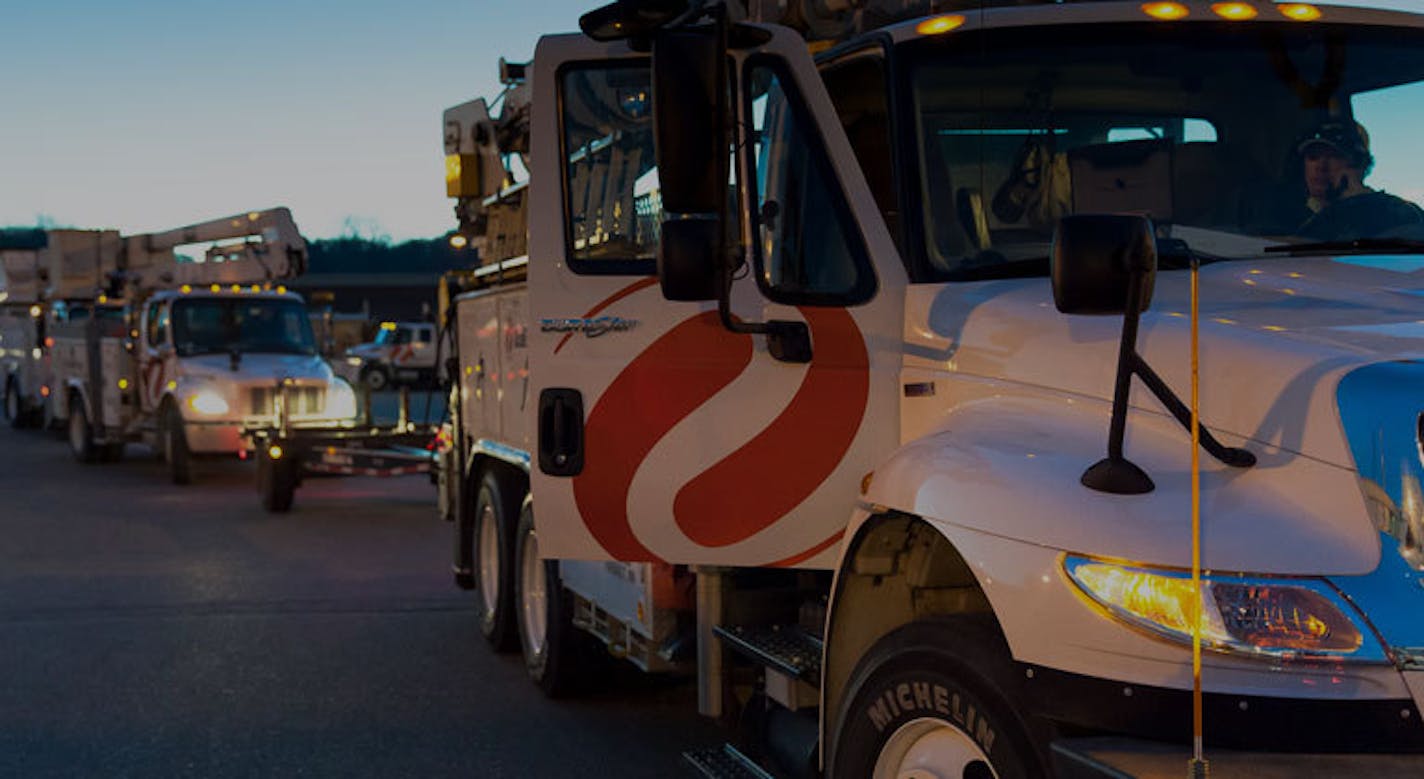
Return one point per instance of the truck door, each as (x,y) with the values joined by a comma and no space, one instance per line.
(660,434)
(156,366)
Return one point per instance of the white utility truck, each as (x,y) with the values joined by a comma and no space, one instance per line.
(22,333)
(34,296)
(205,340)
(402,352)
(840,423)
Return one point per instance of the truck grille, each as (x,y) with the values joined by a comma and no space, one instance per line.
(301,401)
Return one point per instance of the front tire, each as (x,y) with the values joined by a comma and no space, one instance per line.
(376,378)
(935,697)
(495,514)
(175,447)
(554,651)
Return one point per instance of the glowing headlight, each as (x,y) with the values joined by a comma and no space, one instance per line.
(354,362)
(340,400)
(1278,618)
(207,401)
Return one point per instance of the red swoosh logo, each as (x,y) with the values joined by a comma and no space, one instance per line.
(662,386)
(783,465)
(795,453)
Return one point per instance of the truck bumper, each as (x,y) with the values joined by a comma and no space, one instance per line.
(214,437)
(228,438)
(1124,758)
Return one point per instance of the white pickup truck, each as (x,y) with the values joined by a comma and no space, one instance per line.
(402,352)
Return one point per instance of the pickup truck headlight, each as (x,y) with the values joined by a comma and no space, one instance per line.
(340,399)
(1265,617)
(207,401)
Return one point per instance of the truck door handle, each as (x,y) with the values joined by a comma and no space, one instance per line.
(561,431)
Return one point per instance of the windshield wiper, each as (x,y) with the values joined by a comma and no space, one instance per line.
(1391,245)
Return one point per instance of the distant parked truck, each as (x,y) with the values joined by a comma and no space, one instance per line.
(402,352)
(30,306)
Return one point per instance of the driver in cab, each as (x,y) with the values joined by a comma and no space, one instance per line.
(1339,207)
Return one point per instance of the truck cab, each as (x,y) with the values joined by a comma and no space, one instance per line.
(854,395)
(211,361)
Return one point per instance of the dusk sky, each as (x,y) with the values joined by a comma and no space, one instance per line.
(150,114)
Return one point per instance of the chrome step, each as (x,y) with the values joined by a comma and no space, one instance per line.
(786,648)
(725,762)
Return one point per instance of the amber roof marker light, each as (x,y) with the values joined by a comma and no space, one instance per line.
(1166,11)
(1234,12)
(1300,12)
(940,25)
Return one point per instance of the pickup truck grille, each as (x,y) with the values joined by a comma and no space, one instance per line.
(301,401)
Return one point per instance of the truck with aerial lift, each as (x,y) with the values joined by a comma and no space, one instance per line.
(193,336)
(793,362)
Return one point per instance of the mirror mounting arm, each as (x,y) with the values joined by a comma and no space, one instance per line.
(1116,474)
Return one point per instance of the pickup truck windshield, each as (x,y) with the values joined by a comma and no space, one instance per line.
(1229,136)
(248,325)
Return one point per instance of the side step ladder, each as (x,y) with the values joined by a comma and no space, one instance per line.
(790,658)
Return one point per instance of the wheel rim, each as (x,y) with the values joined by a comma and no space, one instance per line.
(76,430)
(489,560)
(929,748)
(376,380)
(12,404)
(534,596)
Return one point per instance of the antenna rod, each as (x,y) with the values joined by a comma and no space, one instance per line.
(1198,766)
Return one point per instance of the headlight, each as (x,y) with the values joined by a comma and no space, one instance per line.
(1276,618)
(206,401)
(340,399)
(354,362)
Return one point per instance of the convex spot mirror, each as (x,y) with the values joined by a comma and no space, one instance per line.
(1094,258)
(690,143)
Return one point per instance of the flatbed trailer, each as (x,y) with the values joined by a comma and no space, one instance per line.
(287,451)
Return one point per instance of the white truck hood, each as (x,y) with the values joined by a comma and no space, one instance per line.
(1277,337)
(255,366)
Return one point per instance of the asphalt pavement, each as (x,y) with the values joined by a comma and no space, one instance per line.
(153,630)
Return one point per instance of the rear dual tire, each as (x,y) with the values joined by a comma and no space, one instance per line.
(17,413)
(557,655)
(496,512)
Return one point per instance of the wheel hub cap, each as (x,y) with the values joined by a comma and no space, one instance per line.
(534,605)
(489,560)
(929,748)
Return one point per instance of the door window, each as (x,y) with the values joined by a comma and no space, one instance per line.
(157,321)
(610,178)
(808,250)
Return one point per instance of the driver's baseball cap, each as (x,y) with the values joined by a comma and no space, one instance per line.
(1347,138)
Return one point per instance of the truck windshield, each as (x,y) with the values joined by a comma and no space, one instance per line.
(393,335)
(1231,137)
(204,325)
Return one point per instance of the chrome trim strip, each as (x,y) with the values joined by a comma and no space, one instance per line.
(499,451)
(1379,411)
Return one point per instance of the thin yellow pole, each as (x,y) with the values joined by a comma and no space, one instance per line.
(1198,765)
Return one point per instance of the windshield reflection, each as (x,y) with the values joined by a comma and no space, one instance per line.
(222,325)
(1236,136)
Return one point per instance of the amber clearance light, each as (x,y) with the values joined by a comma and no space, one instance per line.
(940,25)
(1168,12)
(1300,12)
(1235,12)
